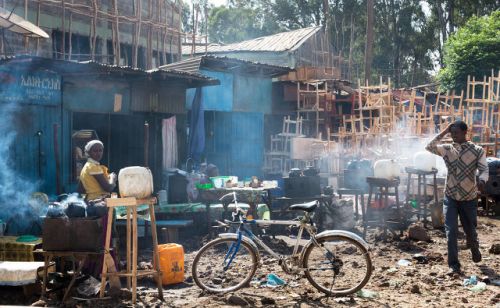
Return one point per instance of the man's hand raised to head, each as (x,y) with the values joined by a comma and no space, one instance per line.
(448,128)
(445,131)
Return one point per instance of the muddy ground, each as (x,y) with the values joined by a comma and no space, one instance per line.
(416,285)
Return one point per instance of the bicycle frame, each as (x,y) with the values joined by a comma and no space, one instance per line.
(303,224)
(317,257)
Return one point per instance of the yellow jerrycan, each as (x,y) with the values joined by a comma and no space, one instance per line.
(171,263)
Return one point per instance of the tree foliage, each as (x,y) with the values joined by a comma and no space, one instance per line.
(408,34)
(472,50)
(242,20)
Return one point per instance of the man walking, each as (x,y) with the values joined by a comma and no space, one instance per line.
(463,159)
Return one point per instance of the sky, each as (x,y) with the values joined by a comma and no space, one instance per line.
(217,2)
(214,2)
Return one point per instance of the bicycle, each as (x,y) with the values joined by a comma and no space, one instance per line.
(335,262)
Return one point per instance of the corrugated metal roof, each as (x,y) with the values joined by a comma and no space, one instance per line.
(72,67)
(280,42)
(193,65)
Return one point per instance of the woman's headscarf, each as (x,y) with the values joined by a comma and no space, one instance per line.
(90,144)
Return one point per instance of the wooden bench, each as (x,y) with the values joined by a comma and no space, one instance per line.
(170,229)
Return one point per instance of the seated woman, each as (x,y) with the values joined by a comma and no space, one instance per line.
(95,181)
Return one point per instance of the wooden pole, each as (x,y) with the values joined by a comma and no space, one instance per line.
(137,33)
(146,143)
(63,30)
(70,34)
(134,254)
(117,33)
(94,29)
(38,24)
(129,248)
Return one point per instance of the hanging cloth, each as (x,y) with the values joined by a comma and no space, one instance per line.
(169,142)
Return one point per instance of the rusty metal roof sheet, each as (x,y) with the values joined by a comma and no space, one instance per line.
(17,24)
(279,42)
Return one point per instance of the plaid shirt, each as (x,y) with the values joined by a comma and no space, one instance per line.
(462,161)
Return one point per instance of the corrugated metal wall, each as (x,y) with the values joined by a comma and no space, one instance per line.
(252,94)
(235,142)
(152,96)
(218,98)
(234,122)
(95,95)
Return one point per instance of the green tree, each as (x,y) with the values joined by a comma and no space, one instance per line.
(408,34)
(294,14)
(403,42)
(447,15)
(473,49)
(232,24)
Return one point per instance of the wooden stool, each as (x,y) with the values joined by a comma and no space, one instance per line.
(131,273)
(383,186)
(422,209)
(355,192)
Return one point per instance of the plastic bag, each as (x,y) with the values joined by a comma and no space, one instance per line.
(274,281)
(364,293)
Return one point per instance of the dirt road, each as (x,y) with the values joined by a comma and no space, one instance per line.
(421,283)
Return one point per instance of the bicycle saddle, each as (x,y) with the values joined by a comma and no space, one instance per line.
(308,206)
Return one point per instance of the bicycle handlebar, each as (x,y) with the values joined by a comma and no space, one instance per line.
(229,194)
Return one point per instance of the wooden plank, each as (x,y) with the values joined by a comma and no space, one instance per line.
(156,256)
(113,202)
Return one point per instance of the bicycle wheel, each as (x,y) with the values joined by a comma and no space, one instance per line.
(338,266)
(218,267)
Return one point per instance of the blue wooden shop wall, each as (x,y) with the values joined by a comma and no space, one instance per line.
(235,143)
(24,156)
(217,98)
(252,94)
(30,106)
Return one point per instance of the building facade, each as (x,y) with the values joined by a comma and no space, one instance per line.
(136,33)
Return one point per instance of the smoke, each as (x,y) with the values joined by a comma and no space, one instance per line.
(72,198)
(15,190)
(400,144)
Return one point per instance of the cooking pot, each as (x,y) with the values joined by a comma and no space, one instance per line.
(75,209)
(311,171)
(294,172)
